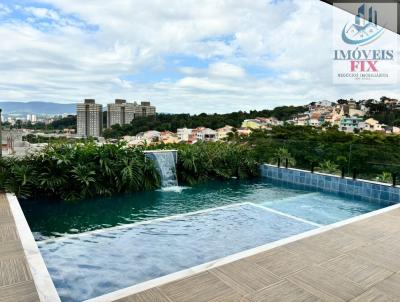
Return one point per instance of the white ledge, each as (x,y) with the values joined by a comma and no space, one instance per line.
(41,277)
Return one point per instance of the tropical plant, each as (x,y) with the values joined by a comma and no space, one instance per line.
(203,161)
(328,166)
(283,155)
(77,171)
(384,177)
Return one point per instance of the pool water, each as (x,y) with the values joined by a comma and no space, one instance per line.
(88,246)
(50,218)
(147,251)
(320,208)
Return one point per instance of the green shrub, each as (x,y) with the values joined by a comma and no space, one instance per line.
(78,171)
(203,161)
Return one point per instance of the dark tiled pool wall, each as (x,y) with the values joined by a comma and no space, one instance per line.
(334,184)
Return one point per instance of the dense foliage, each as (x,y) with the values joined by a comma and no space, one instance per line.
(78,171)
(40,139)
(383,111)
(63,123)
(329,150)
(172,122)
(386,116)
(204,161)
(57,125)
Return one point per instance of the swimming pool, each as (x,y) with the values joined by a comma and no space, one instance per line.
(147,235)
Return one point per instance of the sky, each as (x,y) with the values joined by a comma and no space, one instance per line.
(184,56)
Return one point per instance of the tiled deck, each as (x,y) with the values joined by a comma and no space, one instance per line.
(16,283)
(356,262)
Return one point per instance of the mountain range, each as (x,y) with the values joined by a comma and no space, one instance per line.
(39,108)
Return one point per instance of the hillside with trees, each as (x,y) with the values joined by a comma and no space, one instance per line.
(370,153)
(172,122)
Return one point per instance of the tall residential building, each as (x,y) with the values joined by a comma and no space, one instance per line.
(122,112)
(89,118)
(144,109)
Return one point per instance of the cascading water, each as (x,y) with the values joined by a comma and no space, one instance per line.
(166,165)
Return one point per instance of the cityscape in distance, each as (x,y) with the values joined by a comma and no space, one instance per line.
(113,122)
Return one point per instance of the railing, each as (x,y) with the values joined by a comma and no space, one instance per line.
(375,161)
(343,171)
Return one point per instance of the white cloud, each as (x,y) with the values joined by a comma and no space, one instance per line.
(4,10)
(226,70)
(72,49)
(43,13)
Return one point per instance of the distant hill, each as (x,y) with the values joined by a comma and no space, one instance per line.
(37,108)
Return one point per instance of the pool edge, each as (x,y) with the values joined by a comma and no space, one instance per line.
(131,290)
(44,284)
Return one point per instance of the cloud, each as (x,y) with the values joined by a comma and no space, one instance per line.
(191,56)
(43,13)
(4,10)
(226,70)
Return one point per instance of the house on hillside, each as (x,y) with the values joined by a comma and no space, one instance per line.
(350,124)
(184,134)
(314,119)
(223,132)
(244,131)
(371,125)
(393,130)
(168,137)
(261,123)
(207,134)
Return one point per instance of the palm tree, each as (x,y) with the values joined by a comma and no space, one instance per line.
(283,154)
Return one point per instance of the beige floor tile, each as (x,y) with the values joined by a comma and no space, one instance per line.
(373,295)
(154,295)
(326,285)
(359,270)
(381,255)
(20,292)
(313,252)
(282,292)
(13,271)
(245,276)
(336,240)
(281,261)
(200,288)
(391,286)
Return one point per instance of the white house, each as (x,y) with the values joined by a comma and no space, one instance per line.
(207,134)
(184,134)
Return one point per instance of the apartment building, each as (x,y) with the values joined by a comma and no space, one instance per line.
(123,113)
(144,109)
(89,118)
(120,112)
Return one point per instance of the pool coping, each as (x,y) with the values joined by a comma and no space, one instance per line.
(131,290)
(44,284)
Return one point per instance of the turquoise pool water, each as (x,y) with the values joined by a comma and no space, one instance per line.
(54,218)
(88,246)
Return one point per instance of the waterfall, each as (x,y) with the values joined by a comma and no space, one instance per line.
(166,166)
